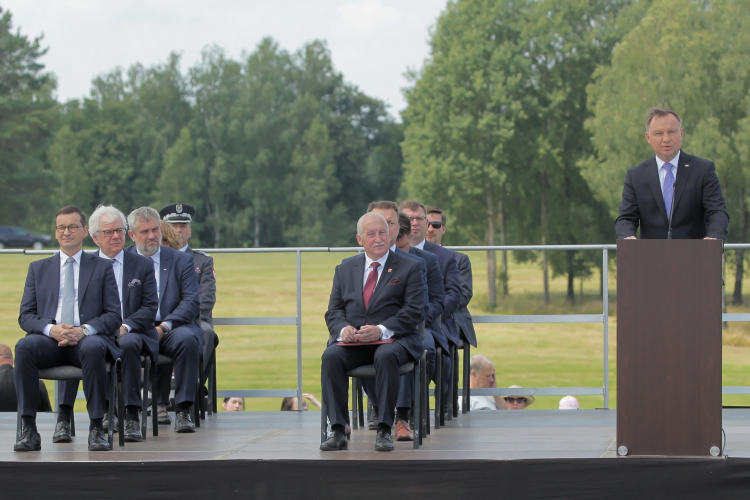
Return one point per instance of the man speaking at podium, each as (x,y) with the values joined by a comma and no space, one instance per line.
(674,194)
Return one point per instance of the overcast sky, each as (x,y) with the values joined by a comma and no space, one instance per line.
(372,42)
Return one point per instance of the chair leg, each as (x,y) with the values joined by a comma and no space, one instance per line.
(144,398)
(466,407)
(198,394)
(438,386)
(416,403)
(120,402)
(214,403)
(354,419)
(112,404)
(425,420)
(154,402)
(454,385)
(73,423)
(449,400)
(18,424)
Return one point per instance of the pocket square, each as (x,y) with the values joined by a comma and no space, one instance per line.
(394,282)
(134,283)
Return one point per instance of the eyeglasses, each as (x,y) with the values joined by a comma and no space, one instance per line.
(71,229)
(436,224)
(109,232)
(417,219)
(515,400)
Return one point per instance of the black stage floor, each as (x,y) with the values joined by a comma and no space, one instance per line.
(524,454)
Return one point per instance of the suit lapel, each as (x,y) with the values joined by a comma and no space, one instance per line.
(54,281)
(127,276)
(683,172)
(164,263)
(358,270)
(652,175)
(84,275)
(385,277)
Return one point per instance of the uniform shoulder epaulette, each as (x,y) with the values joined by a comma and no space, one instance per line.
(202,252)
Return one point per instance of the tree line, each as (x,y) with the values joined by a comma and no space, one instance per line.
(520,124)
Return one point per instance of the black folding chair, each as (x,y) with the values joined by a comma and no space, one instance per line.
(75,374)
(198,409)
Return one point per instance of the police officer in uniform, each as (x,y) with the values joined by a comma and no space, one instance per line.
(180,215)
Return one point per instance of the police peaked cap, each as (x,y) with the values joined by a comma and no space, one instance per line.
(177,212)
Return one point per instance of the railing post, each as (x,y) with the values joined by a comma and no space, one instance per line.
(300,404)
(605,312)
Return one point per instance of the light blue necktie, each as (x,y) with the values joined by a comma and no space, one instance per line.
(668,189)
(67,313)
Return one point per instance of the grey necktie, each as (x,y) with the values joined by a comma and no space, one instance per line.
(67,315)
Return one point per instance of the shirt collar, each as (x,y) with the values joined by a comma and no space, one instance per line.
(675,161)
(184,249)
(421,244)
(381,260)
(393,248)
(120,257)
(77,257)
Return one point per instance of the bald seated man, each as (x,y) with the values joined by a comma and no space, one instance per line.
(8,399)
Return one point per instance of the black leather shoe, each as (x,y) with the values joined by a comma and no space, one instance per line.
(384,442)
(133,431)
(336,442)
(30,440)
(183,422)
(62,433)
(115,423)
(98,440)
(163,418)
(372,423)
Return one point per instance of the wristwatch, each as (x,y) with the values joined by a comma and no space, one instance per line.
(85,330)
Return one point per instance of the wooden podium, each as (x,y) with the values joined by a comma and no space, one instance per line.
(669,347)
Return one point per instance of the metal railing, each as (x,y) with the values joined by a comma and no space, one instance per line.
(489,319)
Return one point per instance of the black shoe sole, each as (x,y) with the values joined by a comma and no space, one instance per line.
(66,439)
(345,447)
(94,448)
(384,448)
(133,439)
(185,430)
(36,448)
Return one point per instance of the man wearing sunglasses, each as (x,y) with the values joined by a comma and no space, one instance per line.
(70,312)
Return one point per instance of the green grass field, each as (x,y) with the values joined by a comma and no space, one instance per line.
(531,355)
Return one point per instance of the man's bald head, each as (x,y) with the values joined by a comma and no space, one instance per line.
(6,355)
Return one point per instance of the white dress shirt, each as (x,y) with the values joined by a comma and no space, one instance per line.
(156,258)
(420,245)
(663,174)
(385,333)
(76,272)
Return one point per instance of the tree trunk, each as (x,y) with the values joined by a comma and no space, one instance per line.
(491,265)
(217,227)
(545,273)
(504,264)
(571,296)
(737,297)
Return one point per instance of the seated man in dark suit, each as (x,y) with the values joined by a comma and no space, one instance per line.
(177,316)
(136,285)
(8,400)
(376,296)
(70,312)
(180,217)
(448,331)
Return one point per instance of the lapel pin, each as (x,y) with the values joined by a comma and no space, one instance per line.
(686,165)
(390,270)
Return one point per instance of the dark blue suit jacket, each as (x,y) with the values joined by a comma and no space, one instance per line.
(98,300)
(139,299)
(179,297)
(449,268)
(436,293)
(397,302)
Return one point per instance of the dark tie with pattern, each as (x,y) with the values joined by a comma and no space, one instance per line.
(372,280)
